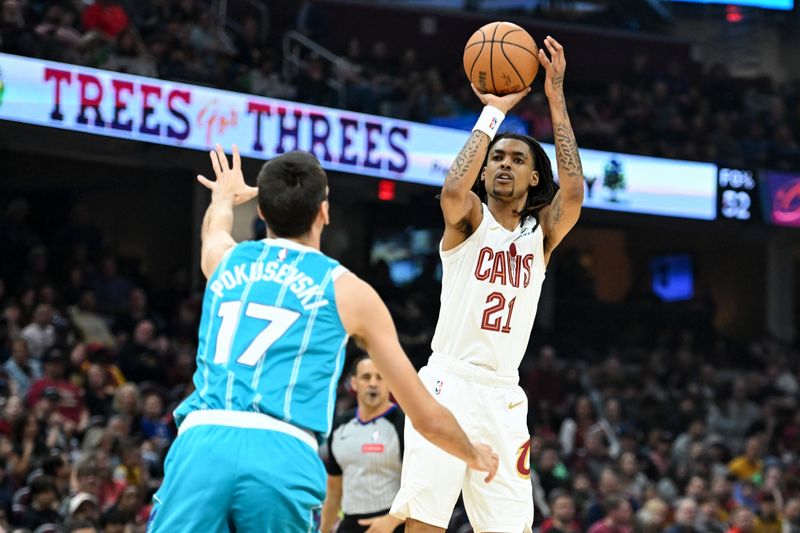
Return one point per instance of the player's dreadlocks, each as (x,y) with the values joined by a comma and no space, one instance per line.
(539,195)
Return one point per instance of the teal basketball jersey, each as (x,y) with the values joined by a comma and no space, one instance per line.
(270,337)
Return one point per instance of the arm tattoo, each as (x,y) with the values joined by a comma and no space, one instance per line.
(569,161)
(466,156)
(558,82)
(555,210)
(565,207)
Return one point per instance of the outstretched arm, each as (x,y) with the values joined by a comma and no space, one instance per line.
(563,212)
(227,191)
(460,206)
(366,318)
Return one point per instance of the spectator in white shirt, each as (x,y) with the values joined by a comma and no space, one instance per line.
(40,334)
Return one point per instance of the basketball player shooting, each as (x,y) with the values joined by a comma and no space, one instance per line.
(504,215)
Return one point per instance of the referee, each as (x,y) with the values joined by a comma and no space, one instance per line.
(365,458)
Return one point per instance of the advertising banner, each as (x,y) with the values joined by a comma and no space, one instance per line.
(647,185)
(99,102)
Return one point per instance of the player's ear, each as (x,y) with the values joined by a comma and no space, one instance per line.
(260,214)
(324,212)
(353,383)
(534,178)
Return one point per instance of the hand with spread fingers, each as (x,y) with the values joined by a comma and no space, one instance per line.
(230,180)
(554,66)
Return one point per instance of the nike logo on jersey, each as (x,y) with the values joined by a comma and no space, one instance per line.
(512,405)
(527,230)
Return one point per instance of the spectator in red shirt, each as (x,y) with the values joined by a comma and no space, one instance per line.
(562,519)
(546,378)
(71,405)
(743,521)
(618,517)
(105,17)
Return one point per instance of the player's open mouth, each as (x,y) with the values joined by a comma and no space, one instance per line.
(504,177)
(372,395)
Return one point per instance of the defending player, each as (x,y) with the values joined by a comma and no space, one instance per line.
(494,257)
(276,317)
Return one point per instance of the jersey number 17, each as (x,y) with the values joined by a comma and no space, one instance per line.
(279,320)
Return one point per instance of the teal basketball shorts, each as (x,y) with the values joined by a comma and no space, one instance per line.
(243,472)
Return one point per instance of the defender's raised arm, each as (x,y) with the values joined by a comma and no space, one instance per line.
(228,190)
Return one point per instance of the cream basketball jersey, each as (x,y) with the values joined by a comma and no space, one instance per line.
(490,290)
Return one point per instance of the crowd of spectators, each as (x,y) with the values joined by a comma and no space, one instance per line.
(667,110)
(666,443)
(92,362)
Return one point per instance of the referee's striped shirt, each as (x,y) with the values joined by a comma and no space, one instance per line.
(368,455)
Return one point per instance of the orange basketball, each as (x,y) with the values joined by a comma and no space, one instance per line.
(501,58)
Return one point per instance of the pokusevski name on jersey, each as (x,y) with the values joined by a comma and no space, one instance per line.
(303,286)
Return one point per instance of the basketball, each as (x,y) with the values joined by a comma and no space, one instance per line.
(501,58)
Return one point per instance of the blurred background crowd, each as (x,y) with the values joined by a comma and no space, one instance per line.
(666,425)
